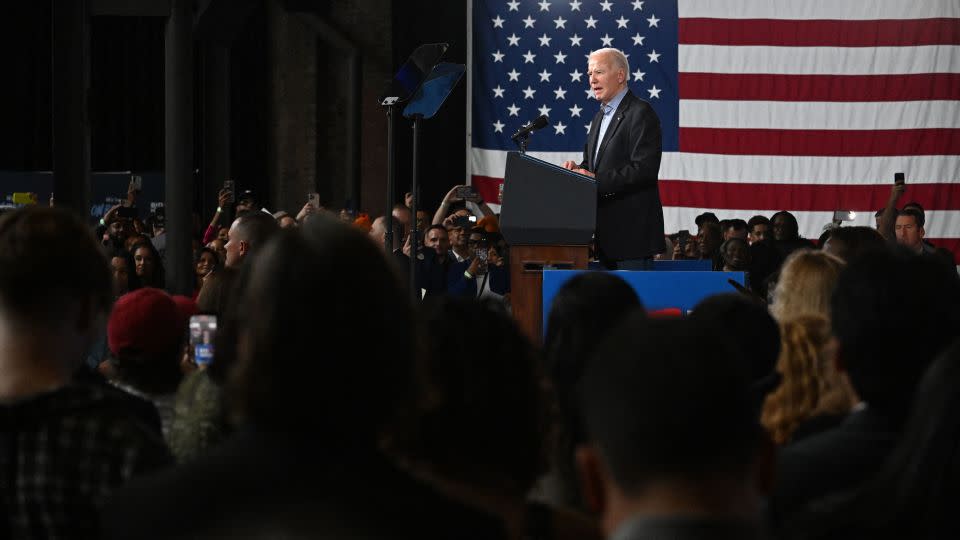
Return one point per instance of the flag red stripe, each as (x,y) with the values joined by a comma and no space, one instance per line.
(769,87)
(819,33)
(805,197)
(488,187)
(797,142)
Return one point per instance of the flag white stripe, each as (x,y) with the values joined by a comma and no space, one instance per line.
(819,9)
(765,169)
(819,60)
(819,114)
(939,223)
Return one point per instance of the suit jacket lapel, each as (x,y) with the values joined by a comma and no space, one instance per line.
(592,139)
(614,124)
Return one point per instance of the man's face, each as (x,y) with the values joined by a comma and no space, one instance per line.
(605,80)
(709,241)
(437,240)
(737,255)
(781,228)
(758,233)
(458,240)
(378,231)
(121,275)
(223,234)
(234,255)
(908,232)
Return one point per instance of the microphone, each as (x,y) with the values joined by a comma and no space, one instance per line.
(535,124)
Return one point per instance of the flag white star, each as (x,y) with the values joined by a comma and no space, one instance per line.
(560,129)
(514,75)
(498,22)
(591,22)
(528,58)
(575,75)
(560,57)
(528,22)
(544,5)
(653,20)
(560,22)
(544,40)
(544,110)
(638,39)
(544,76)
(514,110)
(622,22)
(498,92)
(606,5)
(498,127)
(498,56)
(607,40)
(575,5)
(514,40)
(586,127)
(654,56)
(514,5)
(575,111)
(575,40)
(528,92)
(560,93)
(590,94)
(654,92)
(638,75)
(637,5)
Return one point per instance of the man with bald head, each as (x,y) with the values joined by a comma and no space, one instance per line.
(248,233)
(622,153)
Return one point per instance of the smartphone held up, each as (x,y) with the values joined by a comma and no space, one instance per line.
(203,333)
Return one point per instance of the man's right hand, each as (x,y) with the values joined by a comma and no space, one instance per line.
(451,196)
(571,165)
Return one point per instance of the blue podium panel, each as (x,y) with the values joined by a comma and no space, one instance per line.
(657,290)
(680,265)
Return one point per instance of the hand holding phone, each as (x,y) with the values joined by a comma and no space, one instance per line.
(228,188)
(313,199)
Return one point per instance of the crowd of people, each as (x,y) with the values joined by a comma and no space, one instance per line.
(816,403)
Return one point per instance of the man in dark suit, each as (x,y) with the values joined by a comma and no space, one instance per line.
(623,153)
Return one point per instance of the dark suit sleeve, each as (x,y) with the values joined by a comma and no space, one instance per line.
(643,145)
(457,283)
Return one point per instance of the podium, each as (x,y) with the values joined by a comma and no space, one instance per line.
(548,215)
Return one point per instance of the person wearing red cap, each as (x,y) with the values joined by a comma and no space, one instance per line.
(66,444)
(145,335)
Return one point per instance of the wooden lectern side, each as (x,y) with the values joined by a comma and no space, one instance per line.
(526,280)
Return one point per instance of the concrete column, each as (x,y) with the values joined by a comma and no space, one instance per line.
(178,137)
(292,159)
(216,124)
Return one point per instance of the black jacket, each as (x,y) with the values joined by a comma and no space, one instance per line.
(629,212)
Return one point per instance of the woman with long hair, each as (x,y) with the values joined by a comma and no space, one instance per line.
(149,266)
(806,283)
(813,395)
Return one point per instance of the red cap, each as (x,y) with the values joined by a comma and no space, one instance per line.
(146,321)
(186,306)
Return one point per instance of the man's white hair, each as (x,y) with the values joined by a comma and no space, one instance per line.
(619,60)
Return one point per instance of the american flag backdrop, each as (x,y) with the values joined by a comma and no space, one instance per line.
(809,106)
